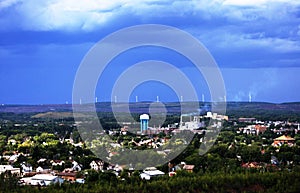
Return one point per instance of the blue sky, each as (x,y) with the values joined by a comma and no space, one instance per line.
(256,44)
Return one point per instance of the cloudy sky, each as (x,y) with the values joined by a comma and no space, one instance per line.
(256,44)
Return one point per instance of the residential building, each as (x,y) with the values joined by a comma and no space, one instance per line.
(11,169)
(45,180)
(57,162)
(97,165)
(26,167)
(279,141)
(68,176)
(188,168)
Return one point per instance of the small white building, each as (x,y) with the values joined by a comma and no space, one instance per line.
(45,180)
(39,169)
(151,172)
(76,166)
(26,167)
(13,158)
(11,169)
(57,162)
(42,160)
(97,165)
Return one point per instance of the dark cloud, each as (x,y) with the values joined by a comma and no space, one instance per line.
(50,38)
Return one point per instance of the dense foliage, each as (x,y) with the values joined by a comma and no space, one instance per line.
(182,183)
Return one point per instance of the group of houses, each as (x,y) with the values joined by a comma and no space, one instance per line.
(279,127)
(252,129)
(43,176)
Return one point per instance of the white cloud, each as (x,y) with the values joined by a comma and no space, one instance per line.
(267,25)
(88,15)
(257,41)
(257,2)
(67,14)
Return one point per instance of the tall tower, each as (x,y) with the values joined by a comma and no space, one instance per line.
(144,118)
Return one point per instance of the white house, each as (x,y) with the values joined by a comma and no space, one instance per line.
(26,167)
(45,180)
(76,166)
(13,158)
(57,162)
(15,171)
(151,172)
(42,160)
(97,165)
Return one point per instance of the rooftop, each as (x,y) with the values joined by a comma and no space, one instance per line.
(284,138)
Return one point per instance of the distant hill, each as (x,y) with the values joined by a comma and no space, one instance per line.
(265,111)
(234,109)
(56,115)
(35,108)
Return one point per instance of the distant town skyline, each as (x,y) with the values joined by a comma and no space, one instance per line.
(255,43)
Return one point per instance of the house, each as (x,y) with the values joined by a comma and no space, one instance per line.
(42,161)
(26,167)
(188,168)
(76,166)
(151,172)
(181,166)
(12,159)
(252,165)
(39,169)
(283,140)
(45,180)
(57,162)
(117,168)
(68,176)
(11,169)
(260,129)
(97,165)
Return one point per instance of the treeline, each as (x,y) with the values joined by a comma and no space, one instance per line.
(264,111)
(182,183)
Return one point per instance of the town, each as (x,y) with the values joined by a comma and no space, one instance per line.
(41,152)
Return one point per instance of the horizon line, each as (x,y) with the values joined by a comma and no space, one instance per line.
(112,102)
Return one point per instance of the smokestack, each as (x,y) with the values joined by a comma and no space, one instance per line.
(250,98)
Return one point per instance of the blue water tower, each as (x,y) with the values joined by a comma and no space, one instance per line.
(144,118)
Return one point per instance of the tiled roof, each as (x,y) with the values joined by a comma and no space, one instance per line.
(284,138)
(188,167)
